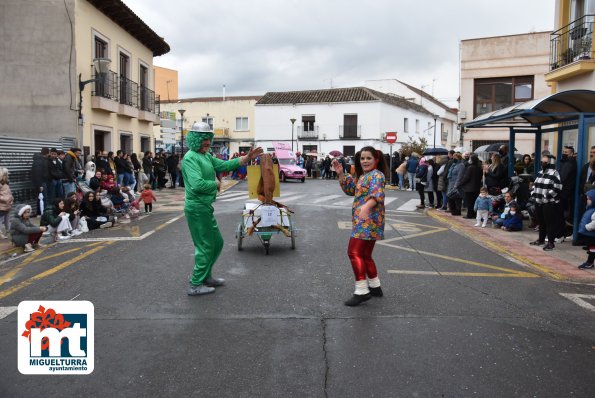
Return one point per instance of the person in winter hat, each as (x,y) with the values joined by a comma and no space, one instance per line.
(513,220)
(24,234)
(201,189)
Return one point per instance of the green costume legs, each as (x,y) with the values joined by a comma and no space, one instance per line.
(208,242)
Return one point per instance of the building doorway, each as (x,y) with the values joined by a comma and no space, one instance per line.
(101,140)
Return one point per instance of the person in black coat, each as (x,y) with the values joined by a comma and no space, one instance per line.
(172,168)
(568,170)
(471,184)
(40,175)
(94,212)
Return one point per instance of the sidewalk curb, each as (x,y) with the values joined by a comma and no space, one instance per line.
(547,266)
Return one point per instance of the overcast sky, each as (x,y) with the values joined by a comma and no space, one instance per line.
(255,46)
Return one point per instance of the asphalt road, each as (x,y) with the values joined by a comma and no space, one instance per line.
(457,320)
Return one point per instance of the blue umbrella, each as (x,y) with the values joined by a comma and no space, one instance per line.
(435,151)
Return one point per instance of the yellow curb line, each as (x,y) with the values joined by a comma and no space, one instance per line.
(27,282)
(497,247)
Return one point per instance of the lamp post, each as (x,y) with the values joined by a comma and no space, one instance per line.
(292,120)
(101,67)
(182,131)
(435,118)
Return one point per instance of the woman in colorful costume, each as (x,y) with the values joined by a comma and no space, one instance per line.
(201,189)
(367,211)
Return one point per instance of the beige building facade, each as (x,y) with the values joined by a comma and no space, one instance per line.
(118,113)
(497,72)
(46,46)
(572,60)
(231,118)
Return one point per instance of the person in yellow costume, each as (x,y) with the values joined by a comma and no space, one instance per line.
(201,187)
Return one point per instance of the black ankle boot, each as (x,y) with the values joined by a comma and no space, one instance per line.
(357,299)
(376,291)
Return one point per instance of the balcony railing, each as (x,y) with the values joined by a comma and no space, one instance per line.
(147,100)
(350,132)
(307,134)
(125,91)
(108,88)
(573,42)
(128,92)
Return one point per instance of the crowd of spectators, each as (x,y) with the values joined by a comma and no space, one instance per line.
(73,198)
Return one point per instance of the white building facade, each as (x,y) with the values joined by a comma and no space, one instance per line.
(448,133)
(339,119)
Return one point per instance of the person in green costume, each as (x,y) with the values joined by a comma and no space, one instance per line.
(201,189)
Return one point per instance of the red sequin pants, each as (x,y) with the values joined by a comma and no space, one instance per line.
(360,254)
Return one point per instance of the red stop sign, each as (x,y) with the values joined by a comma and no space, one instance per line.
(391,138)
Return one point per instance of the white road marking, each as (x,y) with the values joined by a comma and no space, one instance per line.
(230,194)
(409,205)
(326,198)
(242,197)
(389,200)
(578,299)
(6,311)
(290,198)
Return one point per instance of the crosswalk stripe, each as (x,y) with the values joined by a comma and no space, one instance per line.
(326,198)
(389,200)
(231,194)
(6,311)
(409,205)
(290,198)
(243,197)
(345,202)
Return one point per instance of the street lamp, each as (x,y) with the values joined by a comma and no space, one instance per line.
(435,118)
(101,68)
(292,120)
(182,130)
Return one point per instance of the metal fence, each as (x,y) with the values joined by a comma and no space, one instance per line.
(573,42)
(16,154)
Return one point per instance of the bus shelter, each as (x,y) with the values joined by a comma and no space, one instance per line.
(564,113)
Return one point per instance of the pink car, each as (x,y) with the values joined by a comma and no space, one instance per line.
(288,168)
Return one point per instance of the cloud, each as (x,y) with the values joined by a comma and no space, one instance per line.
(271,45)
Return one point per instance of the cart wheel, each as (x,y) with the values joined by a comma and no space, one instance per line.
(282,176)
(304,179)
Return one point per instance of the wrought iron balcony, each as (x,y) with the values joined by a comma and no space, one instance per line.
(307,134)
(148,101)
(107,88)
(571,43)
(350,132)
(127,92)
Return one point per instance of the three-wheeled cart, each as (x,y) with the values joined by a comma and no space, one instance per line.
(270,221)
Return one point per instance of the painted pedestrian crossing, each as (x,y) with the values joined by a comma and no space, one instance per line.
(326,200)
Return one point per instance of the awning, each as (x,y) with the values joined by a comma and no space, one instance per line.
(555,108)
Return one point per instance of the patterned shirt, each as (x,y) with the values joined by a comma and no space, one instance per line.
(368,186)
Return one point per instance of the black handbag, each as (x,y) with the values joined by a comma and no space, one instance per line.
(454,194)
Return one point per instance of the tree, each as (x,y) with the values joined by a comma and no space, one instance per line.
(413,146)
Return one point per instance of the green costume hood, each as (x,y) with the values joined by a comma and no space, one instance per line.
(199,132)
